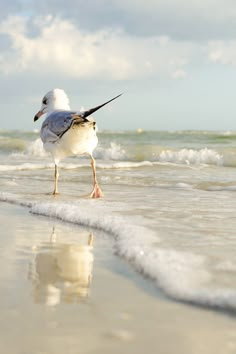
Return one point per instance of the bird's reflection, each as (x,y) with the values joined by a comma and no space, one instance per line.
(61,272)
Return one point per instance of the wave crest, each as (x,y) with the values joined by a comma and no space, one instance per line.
(113,152)
(190,156)
(35,148)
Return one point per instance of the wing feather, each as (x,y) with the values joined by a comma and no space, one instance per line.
(58,123)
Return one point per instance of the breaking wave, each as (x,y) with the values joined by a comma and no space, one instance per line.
(192,157)
(113,152)
(127,152)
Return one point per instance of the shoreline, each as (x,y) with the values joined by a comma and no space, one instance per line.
(122,311)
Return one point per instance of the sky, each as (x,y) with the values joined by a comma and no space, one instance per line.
(173,60)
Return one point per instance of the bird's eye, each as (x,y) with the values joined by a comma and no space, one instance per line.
(44,101)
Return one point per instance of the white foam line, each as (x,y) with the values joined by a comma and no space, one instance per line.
(124,164)
(25,167)
(181,275)
(12,199)
(70,166)
(89,213)
(31,167)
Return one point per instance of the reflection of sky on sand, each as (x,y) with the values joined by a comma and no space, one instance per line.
(61,272)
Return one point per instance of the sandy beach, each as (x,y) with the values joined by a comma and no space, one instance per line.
(46,311)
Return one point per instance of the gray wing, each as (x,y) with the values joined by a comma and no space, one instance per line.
(57,124)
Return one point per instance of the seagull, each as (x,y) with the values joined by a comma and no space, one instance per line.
(66,133)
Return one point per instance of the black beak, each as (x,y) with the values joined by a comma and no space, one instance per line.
(38,115)
(92,110)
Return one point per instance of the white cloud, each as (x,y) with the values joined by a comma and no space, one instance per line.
(222,52)
(60,48)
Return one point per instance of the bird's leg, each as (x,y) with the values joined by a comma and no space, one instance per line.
(56,175)
(97,192)
(90,240)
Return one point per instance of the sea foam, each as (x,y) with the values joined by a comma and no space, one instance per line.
(35,148)
(113,152)
(25,167)
(180,275)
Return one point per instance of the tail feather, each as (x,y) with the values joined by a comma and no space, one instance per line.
(92,110)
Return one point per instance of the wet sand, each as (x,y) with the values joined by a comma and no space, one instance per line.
(63,290)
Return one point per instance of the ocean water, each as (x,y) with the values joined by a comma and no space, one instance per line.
(169,205)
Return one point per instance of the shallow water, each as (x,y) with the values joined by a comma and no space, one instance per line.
(169,204)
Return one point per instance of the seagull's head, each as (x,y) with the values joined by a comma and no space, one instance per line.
(54,100)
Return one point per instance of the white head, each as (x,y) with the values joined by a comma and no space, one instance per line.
(54,100)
